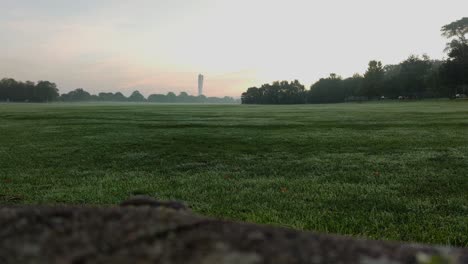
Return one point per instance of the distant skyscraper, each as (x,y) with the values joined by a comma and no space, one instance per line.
(200,84)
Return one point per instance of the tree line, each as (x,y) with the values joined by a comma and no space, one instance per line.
(45,91)
(15,91)
(416,77)
(80,95)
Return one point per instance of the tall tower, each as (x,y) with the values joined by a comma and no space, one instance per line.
(200,84)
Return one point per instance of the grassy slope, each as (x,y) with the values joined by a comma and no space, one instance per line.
(387,171)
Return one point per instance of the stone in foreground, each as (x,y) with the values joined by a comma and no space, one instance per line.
(164,232)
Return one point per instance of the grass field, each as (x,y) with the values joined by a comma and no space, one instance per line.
(394,171)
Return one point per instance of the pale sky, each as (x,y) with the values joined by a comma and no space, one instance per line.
(157,46)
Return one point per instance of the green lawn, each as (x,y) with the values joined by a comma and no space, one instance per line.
(394,171)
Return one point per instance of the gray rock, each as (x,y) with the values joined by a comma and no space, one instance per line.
(147,231)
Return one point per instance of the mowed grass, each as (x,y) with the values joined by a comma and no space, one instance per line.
(396,171)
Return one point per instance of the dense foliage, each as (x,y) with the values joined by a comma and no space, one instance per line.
(15,91)
(415,78)
(277,93)
(44,91)
(80,95)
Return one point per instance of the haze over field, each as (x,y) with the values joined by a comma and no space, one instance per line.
(161,46)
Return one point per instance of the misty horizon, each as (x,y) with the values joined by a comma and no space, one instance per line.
(157,47)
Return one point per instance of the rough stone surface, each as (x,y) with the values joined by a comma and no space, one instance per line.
(155,233)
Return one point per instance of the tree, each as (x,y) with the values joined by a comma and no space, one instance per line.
(328,90)
(251,96)
(136,96)
(414,74)
(352,86)
(171,97)
(183,97)
(200,99)
(105,97)
(119,97)
(279,92)
(296,93)
(456,29)
(157,98)
(15,91)
(76,95)
(454,72)
(373,80)
(28,91)
(434,81)
(46,92)
(7,89)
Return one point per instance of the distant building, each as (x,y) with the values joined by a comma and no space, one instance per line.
(200,84)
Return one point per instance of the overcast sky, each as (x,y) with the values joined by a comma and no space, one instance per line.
(157,46)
